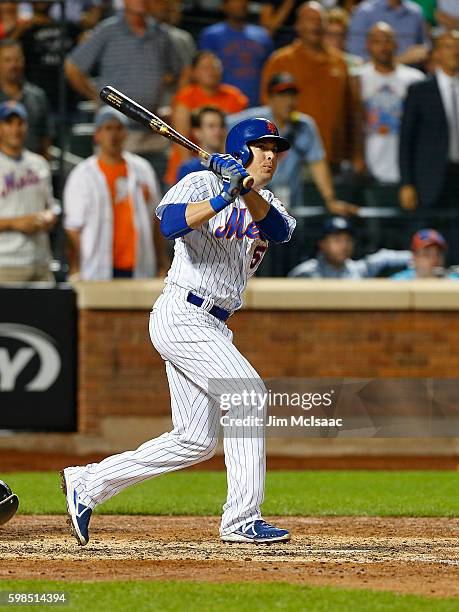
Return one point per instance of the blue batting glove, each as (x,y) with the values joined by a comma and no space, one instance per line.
(217,162)
(232,173)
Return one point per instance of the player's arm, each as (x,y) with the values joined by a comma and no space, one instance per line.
(271,222)
(257,205)
(198,213)
(180,219)
(159,245)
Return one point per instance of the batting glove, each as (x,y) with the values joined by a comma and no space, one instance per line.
(232,173)
(217,162)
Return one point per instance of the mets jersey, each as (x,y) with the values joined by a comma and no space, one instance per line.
(215,260)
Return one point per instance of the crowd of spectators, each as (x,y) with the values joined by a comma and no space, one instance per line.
(366,92)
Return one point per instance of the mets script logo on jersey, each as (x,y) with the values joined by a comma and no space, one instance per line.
(235,226)
(11,182)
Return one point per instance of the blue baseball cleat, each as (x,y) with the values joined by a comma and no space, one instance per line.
(258,532)
(79,514)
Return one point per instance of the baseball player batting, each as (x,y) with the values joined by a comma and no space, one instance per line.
(221,231)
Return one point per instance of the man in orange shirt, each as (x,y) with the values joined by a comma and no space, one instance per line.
(108,201)
(325,88)
(207,89)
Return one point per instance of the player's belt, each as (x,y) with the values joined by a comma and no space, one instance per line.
(216,311)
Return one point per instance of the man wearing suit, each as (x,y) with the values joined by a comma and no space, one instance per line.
(429,139)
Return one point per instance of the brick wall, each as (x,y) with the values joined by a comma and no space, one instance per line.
(121,374)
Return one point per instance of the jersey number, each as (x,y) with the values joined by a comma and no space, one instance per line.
(258,255)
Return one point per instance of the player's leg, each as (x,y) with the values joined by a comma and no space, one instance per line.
(202,348)
(245,460)
(192,440)
(198,348)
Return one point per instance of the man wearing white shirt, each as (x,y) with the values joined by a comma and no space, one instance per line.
(26,202)
(108,204)
(384,85)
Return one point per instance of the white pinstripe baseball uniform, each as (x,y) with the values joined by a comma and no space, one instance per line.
(213,262)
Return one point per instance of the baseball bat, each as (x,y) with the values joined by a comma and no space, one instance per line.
(133,110)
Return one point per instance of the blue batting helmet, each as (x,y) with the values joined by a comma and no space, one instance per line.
(249,131)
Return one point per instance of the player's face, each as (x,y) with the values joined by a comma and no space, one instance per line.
(13,132)
(211,134)
(263,163)
(337,248)
(110,137)
(283,104)
(12,64)
(428,260)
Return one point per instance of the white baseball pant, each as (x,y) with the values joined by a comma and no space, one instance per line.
(196,347)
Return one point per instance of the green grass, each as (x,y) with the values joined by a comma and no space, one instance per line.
(332,493)
(199,596)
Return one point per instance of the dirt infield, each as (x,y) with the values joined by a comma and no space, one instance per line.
(405,555)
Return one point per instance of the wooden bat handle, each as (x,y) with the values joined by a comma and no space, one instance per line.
(119,101)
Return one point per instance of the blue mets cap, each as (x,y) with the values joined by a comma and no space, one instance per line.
(10,108)
(335,225)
